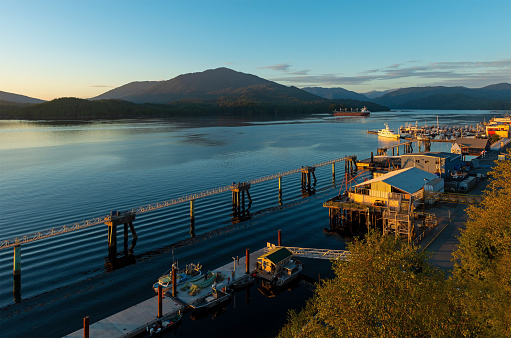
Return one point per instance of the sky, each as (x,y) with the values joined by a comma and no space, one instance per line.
(75,48)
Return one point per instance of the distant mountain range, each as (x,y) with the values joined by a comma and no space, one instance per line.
(497,96)
(225,91)
(336,93)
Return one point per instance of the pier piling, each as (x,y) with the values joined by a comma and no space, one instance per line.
(160,307)
(192,209)
(17,260)
(86,327)
(174,282)
(280,238)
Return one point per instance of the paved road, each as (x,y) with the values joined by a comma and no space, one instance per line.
(443,240)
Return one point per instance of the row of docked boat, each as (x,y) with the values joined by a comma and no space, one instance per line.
(277,268)
(425,133)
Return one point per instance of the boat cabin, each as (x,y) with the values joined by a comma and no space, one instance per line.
(273,261)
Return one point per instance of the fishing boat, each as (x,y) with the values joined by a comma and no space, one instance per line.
(388,133)
(278,266)
(191,273)
(195,286)
(363,112)
(162,326)
(242,283)
(212,300)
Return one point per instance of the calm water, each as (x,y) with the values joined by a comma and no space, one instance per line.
(53,174)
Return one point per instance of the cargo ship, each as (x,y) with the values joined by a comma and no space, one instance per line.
(362,112)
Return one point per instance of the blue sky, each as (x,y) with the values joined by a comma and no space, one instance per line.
(77,48)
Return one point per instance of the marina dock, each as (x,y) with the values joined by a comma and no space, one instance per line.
(134,320)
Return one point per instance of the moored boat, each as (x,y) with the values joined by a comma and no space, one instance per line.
(242,282)
(194,287)
(212,300)
(162,326)
(388,133)
(191,273)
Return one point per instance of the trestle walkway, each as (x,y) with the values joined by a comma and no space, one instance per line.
(150,207)
(316,253)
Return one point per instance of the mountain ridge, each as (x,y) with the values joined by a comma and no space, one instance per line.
(17,98)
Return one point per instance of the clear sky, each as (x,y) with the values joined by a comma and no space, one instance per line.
(52,49)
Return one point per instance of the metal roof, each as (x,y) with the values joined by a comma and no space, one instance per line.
(441,154)
(409,180)
(277,255)
(472,142)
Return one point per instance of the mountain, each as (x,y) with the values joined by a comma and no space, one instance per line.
(496,96)
(335,93)
(16,98)
(209,86)
(126,90)
(375,93)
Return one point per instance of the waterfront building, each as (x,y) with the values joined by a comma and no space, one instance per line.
(470,146)
(441,164)
(398,188)
(501,129)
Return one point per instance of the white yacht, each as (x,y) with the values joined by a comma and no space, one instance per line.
(388,133)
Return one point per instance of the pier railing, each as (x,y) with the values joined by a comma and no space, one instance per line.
(150,207)
(314,253)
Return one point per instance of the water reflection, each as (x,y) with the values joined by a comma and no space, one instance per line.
(16,289)
(114,262)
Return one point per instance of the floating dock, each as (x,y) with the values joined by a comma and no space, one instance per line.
(134,320)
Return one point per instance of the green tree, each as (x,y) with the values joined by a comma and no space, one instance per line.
(483,259)
(386,289)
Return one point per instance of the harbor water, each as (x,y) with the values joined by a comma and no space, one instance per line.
(57,173)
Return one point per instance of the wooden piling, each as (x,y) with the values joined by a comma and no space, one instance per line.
(17,260)
(112,235)
(280,238)
(86,327)
(160,296)
(174,281)
(192,209)
(125,232)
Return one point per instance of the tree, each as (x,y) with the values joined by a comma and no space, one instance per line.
(386,289)
(483,259)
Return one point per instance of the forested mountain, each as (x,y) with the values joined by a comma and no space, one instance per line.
(376,93)
(209,85)
(16,98)
(496,96)
(126,90)
(335,93)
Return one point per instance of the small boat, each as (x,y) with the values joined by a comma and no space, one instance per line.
(162,326)
(387,132)
(212,300)
(242,283)
(191,273)
(194,287)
